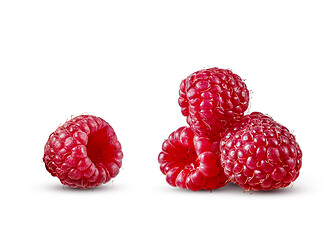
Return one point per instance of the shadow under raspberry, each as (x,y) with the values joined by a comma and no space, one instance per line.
(235,188)
(63,188)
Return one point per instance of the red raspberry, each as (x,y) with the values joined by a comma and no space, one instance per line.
(83,153)
(212,99)
(260,154)
(192,162)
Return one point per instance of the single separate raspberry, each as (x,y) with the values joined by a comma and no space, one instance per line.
(83,153)
(260,154)
(192,162)
(212,99)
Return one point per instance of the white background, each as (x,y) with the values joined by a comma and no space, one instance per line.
(123,61)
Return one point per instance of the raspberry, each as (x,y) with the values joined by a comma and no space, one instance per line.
(83,153)
(212,99)
(260,154)
(191,162)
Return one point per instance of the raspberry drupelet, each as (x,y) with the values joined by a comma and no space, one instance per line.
(83,153)
(260,154)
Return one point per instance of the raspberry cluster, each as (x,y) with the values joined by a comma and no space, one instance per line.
(222,144)
(83,153)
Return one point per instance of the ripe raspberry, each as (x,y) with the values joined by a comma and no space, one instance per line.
(260,154)
(192,162)
(83,153)
(212,99)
